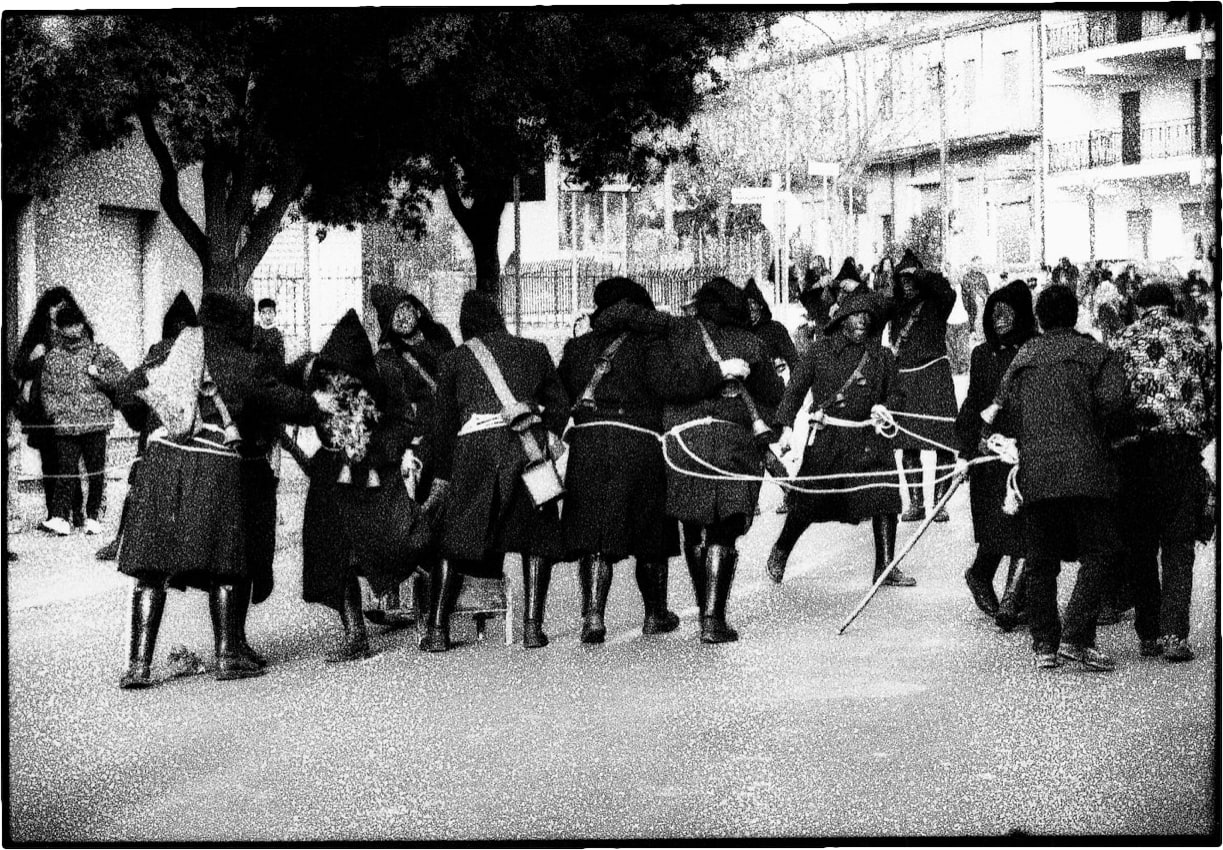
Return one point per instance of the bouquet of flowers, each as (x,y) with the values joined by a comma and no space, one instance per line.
(349,428)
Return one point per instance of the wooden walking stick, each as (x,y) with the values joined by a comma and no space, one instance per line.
(900,556)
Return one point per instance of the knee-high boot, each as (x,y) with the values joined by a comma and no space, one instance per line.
(652,582)
(536,576)
(352,619)
(883,528)
(594,578)
(943,462)
(148,603)
(242,602)
(779,555)
(980,580)
(694,557)
(445,582)
(911,460)
(1011,609)
(719,575)
(231,662)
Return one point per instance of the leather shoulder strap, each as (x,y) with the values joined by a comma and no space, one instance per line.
(491,371)
(602,367)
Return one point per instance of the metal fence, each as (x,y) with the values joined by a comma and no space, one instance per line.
(1104,147)
(1097,29)
(552,294)
(307,307)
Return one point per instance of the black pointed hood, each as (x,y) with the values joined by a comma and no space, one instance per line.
(908,262)
(751,292)
(849,271)
(181,313)
(613,290)
(478,315)
(722,303)
(1017,295)
(386,300)
(859,301)
(348,350)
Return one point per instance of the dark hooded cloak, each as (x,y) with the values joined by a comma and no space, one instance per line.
(181,314)
(722,303)
(479,315)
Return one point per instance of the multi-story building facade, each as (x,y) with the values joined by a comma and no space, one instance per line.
(1126,164)
(876,108)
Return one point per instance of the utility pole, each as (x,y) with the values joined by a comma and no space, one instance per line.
(1209,237)
(1042,159)
(942,143)
(517,255)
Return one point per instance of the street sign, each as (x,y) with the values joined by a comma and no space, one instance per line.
(753,195)
(822,169)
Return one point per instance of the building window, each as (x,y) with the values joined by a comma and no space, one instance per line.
(930,196)
(884,89)
(1010,76)
(970,82)
(889,229)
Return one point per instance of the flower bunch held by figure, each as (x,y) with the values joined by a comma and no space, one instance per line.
(350,427)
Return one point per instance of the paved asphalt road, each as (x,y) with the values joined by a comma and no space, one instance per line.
(922,720)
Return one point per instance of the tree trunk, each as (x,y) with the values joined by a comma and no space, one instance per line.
(481,223)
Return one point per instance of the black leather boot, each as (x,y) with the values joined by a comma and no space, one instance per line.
(694,556)
(652,582)
(719,575)
(352,619)
(445,582)
(883,529)
(911,460)
(420,600)
(148,603)
(595,578)
(242,597)
(231,662)
(776,565)
(1010,609)
(536,575)
(980,580)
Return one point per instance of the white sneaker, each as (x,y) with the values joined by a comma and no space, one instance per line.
(56,525)
(92,526)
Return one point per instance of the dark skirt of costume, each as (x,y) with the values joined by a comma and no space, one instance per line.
(489,510)
(185,520)
(353,529)
(836,451)
(707,497)
(928,390)
(615,500)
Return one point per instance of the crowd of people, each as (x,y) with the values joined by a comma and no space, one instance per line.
(437,460)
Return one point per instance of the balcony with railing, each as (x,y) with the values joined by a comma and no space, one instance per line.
(1099,29)
(1101,148)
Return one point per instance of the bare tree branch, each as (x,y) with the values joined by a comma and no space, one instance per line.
(170,200)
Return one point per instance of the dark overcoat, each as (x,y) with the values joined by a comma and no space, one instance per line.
(993,529)
(616,481)
(725,443)
(353,528)
(919,337)
(488,509)
(199,513)
(836,450)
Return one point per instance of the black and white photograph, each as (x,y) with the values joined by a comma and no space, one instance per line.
(611,425)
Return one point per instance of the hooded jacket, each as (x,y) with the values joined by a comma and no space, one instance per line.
(771,332)
(919,324)
(990,361)
(75,403)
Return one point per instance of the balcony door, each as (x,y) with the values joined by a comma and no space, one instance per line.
(1138,233)
(1129,26)
(1131,128)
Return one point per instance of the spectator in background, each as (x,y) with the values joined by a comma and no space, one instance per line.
(75,373)
(42,335)
(1062,395)
(268,339)
(974,289)
(959,332)
(1065,274)
(1170,395)
(1109,308)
